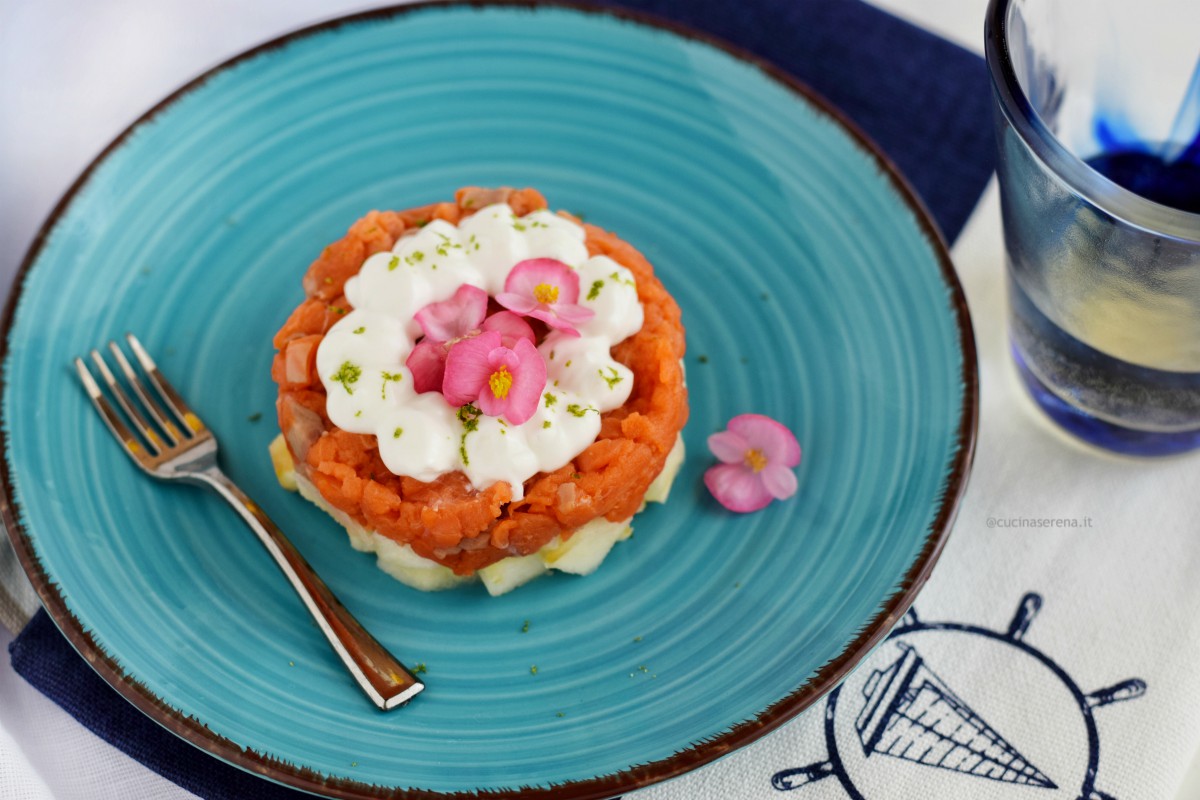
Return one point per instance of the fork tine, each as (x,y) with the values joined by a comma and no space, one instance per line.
(157,445)
(137,451)
(164,422)
(165,390)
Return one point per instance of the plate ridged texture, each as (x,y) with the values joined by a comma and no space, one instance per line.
(809,291)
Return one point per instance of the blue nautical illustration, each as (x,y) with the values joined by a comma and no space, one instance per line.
(911,714)
(897,712)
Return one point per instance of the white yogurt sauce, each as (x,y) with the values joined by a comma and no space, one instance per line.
(370,390)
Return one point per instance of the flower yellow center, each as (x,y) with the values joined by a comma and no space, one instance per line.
(755,460)
(501,382)
(545,293)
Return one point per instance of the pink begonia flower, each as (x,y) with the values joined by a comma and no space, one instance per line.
(511,328)
(427,363)
(545,289)
(454,318)
(757,455)
(500,381)
(445,323)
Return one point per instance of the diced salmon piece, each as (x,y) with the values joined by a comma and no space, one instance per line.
(300,362)
(374,233)
(308,318)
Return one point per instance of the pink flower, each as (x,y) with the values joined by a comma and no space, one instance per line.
(545,289)
(501,381)
(757,455)
(511,328)
(451,320)
(443,323)
(427,363)
(454,318)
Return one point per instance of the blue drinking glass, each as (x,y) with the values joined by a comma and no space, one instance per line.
(1098,129)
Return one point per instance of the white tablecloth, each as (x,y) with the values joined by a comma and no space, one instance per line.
(74,73)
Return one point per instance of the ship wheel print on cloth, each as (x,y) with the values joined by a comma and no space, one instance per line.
(907,707)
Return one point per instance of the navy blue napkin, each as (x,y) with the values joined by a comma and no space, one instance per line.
(925,101)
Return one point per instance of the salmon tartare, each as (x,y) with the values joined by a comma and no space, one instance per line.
(481,389)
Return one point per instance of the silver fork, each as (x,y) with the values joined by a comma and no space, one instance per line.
(176,445)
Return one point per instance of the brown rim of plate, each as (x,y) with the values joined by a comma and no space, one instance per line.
(601,787)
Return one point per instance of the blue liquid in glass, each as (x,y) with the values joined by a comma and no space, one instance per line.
(1167,173)
(1141,171)
(1086,391)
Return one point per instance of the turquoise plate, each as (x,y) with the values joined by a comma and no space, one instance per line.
(814,289)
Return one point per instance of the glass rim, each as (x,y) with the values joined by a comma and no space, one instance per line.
(1114,199)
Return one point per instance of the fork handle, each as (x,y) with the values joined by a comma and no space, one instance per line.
(380,675)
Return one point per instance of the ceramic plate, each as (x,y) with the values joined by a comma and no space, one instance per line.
(813,289)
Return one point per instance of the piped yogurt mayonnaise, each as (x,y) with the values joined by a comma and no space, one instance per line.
(370,390)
